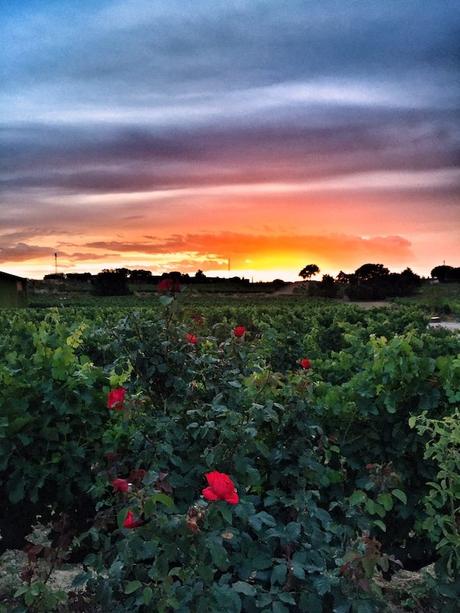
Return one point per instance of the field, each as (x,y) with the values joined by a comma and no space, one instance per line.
(440,299)
(46,293)
(333,431)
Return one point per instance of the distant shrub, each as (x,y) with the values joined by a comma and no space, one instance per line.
(110,283)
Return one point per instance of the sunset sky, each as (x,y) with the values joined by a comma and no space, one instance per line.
(175,135)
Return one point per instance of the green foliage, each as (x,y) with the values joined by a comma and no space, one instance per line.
(334,484)
(442,502)
(40,598)
(50,417)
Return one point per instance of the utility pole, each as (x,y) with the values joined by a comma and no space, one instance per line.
(55,263)
(228,261)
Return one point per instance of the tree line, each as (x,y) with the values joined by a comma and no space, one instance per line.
(117,281)
(373,281)
(368,282)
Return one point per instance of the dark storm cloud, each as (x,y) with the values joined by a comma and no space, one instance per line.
(134,159)
(177,87)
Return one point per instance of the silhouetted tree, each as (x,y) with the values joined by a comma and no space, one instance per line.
(408,277)
(78,276)
(343,278)
(371,273)
(122,271)
(309,271)
(140,276)
(176,276)
(328,287)
(375,282)
(446,274)
(111,282)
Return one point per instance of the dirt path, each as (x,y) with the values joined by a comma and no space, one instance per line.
(287,290)
(447,325)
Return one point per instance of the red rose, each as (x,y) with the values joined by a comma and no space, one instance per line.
(191,338)
(221,487)
(168,285)
(120,485)
(130,522)
(239,331)
(116,398)
(305,363)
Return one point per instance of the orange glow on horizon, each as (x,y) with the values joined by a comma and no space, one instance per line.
(267,236)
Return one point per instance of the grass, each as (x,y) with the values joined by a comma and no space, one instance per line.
(442,299)
(439,299)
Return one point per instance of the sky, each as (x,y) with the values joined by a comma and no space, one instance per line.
(264,134)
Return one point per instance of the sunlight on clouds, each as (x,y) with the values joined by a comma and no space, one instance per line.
(326,135)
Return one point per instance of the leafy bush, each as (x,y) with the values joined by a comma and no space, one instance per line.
(442,503)
(50,422)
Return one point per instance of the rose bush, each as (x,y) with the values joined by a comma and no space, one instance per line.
(328,482)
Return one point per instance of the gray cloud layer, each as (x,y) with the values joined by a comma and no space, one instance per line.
(133,53)
(125,159)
